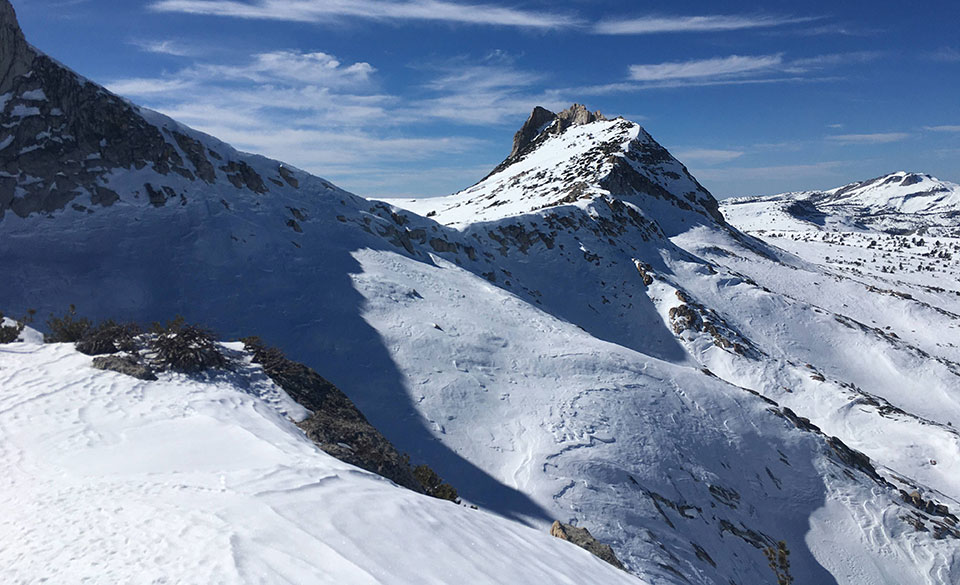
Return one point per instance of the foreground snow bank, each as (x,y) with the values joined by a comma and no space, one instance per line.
(109,479)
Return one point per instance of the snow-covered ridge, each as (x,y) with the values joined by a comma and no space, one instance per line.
(897,203)
(206,479)
(594,361)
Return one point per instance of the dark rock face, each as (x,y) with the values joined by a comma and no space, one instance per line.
(124,365)
(542,124)
(539,119)
(336,425)
(582,538)
(61,136)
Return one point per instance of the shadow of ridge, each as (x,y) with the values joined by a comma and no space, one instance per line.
(352,354)
(302,302)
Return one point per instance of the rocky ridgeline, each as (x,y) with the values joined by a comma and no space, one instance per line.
(62,136)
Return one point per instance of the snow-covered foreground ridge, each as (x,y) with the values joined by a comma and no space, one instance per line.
(109,479)
(580,336)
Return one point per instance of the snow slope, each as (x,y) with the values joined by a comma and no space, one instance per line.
(108,479)
(581,336)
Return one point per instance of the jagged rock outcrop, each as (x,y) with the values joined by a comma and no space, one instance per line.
(126,365)
(336,425)
(543,123)
(582,538)
(539,119)
(15,54)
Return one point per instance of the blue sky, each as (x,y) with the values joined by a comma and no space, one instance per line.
(422,97)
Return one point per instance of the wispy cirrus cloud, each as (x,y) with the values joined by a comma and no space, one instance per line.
(875,138)
(148,86)
(947,128)
(707,155)
(164,47)
(294,66)
(946,55)
(715,67)
(383,10)
(658,24)
(321,114)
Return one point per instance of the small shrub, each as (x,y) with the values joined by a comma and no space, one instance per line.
(109,337)
(67,329)
(186,348)
(433,485)
(779,562)
(10,333)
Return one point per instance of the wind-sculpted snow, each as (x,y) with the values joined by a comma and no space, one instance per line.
(579,337)
(109,479)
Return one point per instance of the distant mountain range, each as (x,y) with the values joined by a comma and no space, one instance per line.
(586,335)
(898,203)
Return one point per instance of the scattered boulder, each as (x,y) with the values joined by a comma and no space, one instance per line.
(124,365)
(582,538)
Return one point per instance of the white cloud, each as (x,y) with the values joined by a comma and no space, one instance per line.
(876,138)
(705,68)
(679,24)
(817,62)
(142,86)
(166,47)
(942,128)
(384,10)
(313,111)
(946,55)
(316,72)
(707,155)
(291,66)
(489,91)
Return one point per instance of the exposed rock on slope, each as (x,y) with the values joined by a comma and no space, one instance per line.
(543,123)
(335,424)
(63,137)
(517,347)
(582,538)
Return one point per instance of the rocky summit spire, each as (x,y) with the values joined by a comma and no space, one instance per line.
(539,119)
(542,123)
(542,119)
(15,55)
(577,115)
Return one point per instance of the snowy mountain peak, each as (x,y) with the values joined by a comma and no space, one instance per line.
(900,191)
(543,121)
(577,158)
(896,203)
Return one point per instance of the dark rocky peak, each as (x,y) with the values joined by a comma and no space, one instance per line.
(542,124)
(63,137)
(542,119)
(16,56)
(576,115)
(535,124)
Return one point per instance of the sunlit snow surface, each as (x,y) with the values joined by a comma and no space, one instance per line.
(517,350)
(107,479)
